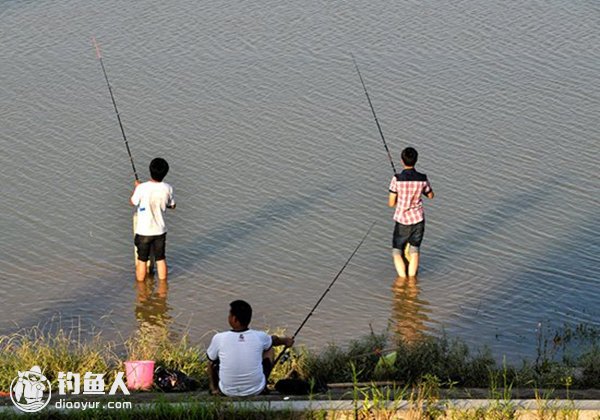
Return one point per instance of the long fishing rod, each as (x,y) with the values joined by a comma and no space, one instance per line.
(99,55)
(323,295)
(374,115)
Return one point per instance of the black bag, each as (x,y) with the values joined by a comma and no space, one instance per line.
(171,380)
(296,386)
(292,387)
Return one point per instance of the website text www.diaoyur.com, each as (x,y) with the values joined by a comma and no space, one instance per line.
(92,405)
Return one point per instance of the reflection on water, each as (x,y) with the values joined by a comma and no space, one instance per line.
(152,309)
(409,313)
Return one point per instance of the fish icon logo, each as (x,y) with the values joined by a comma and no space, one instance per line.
(28,389)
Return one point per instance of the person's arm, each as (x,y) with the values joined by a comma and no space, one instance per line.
(134,200)
(212,369)
(428,192)
(393,195)
(282,341)
(171,202)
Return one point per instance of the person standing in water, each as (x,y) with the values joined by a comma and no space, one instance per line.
(405,193)
(152,198)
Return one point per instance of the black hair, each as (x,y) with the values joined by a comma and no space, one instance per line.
(409,156)
(242,311)
(158,169)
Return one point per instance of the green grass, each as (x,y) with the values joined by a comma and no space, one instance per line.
(450,360)
(418,372)
(440,357)
(60,351)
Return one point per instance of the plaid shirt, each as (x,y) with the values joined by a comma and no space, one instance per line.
(409,185)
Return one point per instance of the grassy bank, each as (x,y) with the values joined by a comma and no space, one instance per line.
(368,402)
(374,357)
(452,362)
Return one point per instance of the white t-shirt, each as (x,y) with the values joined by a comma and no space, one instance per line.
(152,199)
(240,361)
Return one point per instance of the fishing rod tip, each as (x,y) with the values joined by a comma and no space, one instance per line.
(97,47)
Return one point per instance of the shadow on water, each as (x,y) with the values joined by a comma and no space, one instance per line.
(98,294)
(270,215)
(460,239)
(554,291)
(560,280)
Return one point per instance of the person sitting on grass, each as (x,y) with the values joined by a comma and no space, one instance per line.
(240,360)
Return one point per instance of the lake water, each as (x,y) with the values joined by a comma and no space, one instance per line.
(279,170)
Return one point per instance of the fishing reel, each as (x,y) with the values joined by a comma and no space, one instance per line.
(285,357)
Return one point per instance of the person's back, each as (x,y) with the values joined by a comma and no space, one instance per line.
(240,358)
(409,187)
(405,193)
(152,198)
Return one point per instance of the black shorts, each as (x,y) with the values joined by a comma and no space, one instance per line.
(150,245)
(412,234)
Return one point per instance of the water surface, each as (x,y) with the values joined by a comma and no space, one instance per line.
(279,170)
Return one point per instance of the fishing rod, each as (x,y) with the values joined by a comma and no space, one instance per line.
(323,295)
(374,115)
(99,56)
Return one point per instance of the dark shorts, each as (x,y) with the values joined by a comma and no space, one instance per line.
(150,245)
(412,234)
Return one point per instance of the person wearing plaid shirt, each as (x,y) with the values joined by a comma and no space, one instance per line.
(406,189)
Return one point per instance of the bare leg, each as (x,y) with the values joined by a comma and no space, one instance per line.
(407,255)
(399,263)
(142,292)
(161,269)
(413,265)
(163,288)
(140,270)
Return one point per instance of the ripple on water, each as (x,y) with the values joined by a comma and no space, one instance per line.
(278,167)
